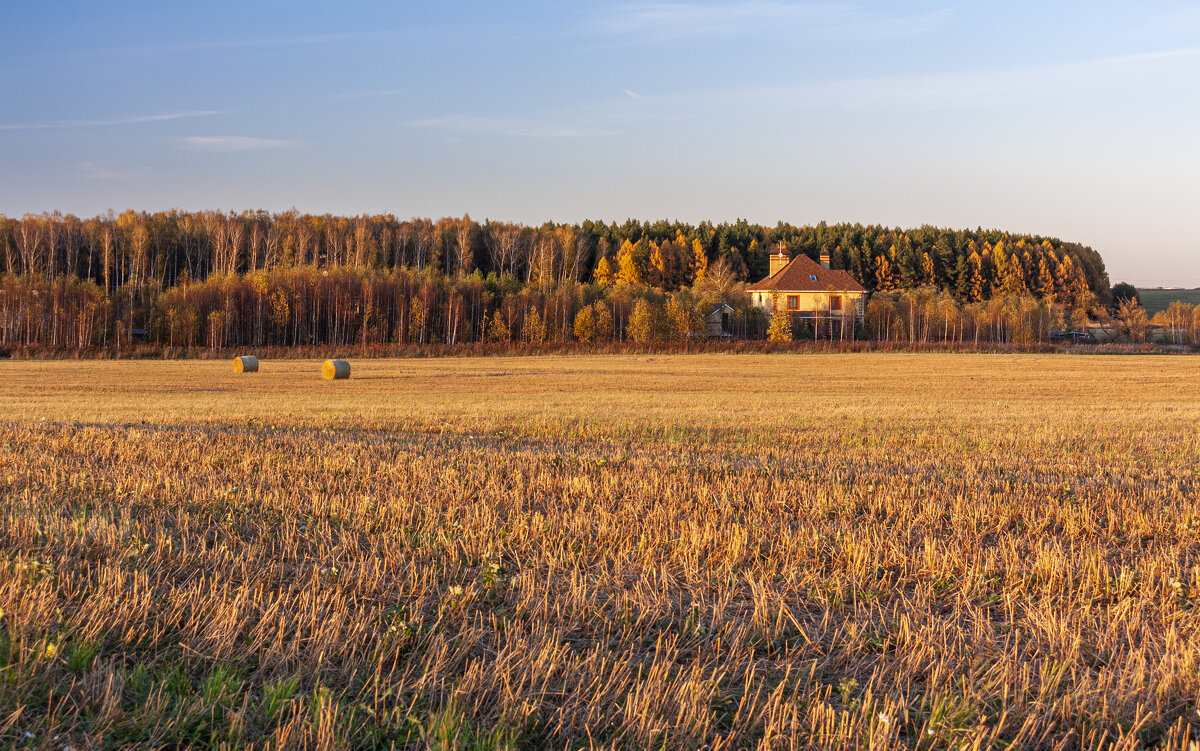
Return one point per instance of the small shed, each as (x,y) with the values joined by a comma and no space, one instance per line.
(719,323)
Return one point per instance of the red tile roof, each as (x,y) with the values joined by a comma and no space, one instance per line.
(798,275)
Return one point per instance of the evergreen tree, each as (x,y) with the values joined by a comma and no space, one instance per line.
(962,279)
(945,258)
(1124,291)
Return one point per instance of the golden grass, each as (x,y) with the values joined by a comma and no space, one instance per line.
(779,551)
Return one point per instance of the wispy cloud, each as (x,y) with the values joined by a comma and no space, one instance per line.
(235,143)
(994,87)
(505,126)
(134,120)
(633,94)
(687,19)
(106,171)
(1002,86)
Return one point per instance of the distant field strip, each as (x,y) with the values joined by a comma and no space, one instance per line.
(724,551)
(1158,300)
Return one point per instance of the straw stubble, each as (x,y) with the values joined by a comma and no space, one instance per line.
(714,551)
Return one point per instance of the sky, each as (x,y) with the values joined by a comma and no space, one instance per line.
(1067,119)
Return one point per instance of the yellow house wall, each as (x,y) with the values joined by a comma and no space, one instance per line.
(809,301)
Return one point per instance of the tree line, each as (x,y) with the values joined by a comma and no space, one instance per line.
(345,307)
(230,279)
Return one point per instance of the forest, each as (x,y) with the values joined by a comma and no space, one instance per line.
(219,280)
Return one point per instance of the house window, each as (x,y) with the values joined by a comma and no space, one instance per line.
(835,302)
(793,302)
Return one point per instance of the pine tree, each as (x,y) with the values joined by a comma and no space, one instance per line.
(944,255)
(962,276)
(905,263)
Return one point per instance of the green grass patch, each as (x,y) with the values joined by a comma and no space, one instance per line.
(1158,300)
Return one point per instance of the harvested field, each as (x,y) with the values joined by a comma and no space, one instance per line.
(777,551)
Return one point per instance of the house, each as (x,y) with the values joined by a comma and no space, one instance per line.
(719,323)
(828,301)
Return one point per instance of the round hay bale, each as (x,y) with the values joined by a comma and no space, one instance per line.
(245,364)
(335,370)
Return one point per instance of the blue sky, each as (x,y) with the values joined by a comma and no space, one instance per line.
(1077,120)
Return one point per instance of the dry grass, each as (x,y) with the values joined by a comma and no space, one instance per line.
(867,551)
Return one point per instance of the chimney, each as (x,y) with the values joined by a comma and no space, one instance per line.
(779,260)
(825,258)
